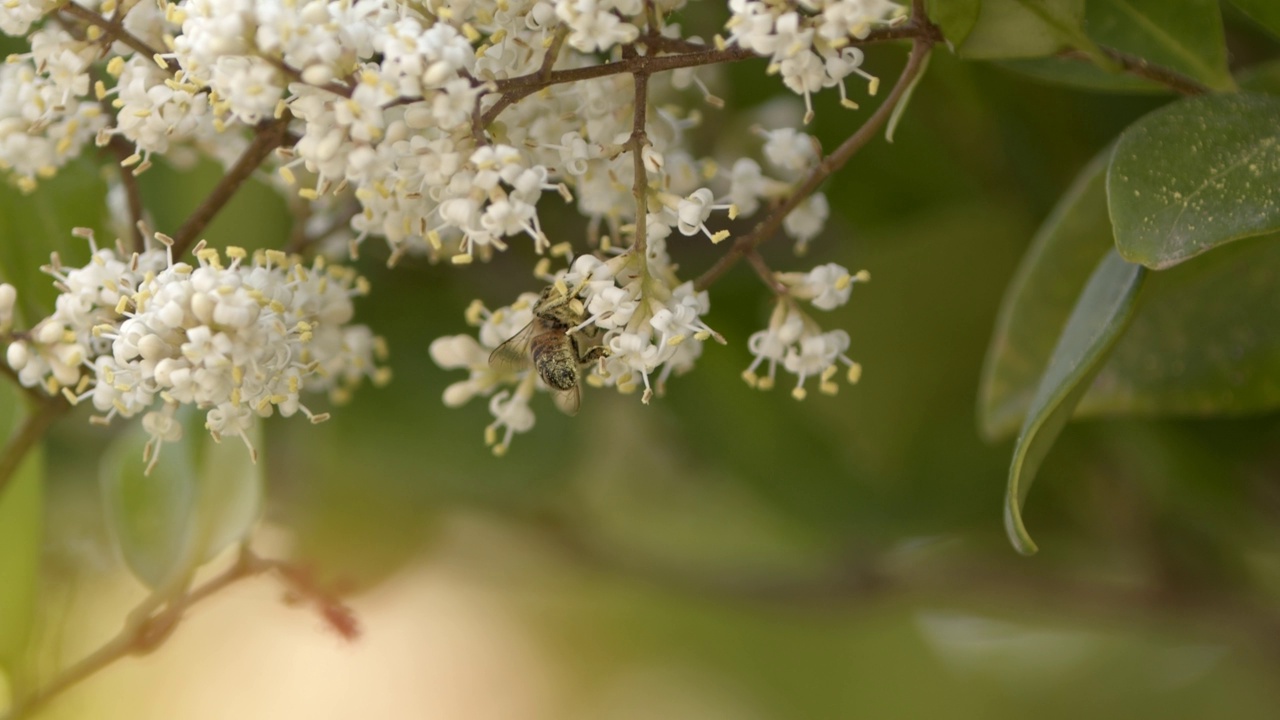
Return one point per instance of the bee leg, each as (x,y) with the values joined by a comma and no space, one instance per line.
(591,354)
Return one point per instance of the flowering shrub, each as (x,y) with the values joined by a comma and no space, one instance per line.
(441,130)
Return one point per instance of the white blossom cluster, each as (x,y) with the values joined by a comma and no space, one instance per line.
(807,41)
(650,322)
(795,341)
(239,339)
(435,120)
(45,116)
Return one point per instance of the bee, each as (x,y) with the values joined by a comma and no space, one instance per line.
(547,345)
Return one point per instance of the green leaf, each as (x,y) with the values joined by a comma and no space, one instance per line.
(1261,78)
(21,535)
(1024,28)
(1206,341)
(200,497)
(149,514)
(1194,175)
(32,226)
(955,17)
(1265,12)
(1039,299)
(1097,321)
(231,486)
(1185,36)
(1086,76)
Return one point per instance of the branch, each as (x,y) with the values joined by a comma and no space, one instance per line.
(640,185)
(269,135)
(148,628)
(114,30)
(768,227)
(133,195)
(687,54)
(1141,67)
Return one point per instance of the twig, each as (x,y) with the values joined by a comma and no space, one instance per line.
(149,626)
(1141,67)
(269,135)
(114,30)
(768,226)
(133,196)
(28,436)
(640,186)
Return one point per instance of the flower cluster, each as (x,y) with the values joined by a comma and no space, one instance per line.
(808,41)
(796,341)
(438,127)
(650,323)
(238,339)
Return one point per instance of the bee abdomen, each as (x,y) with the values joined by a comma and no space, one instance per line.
(553,358)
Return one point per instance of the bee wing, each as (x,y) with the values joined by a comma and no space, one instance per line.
(568,400)
(513,355)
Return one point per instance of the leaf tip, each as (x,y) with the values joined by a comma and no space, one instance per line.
(1017,532)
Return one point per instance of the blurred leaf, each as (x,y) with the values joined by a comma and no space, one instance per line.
(1024,28)
(21,532)
(1185,36)
(1196,174)
(230,489)
(1206,341)
(1263,78)
(149,515)
(1086,76)
(32,226)
(1039,299)
(1265,12)
(200,497)
(955,17)
(1100,316)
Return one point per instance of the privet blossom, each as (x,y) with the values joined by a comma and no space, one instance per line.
(240,337)
(408,122)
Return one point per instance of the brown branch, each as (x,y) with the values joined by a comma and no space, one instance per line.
(765,272)
(28,436)
(123,150)
(1141,67)
(640,185)
(768,226)
(269,135)
(150,625)
(114,30)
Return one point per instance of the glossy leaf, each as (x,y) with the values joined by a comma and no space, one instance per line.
(1023,28)
(1265,12)
(1185,36)
(21,536)
(1097,321)
(1039,300)
(955,17)
(1196,174)
(149,515)
(1261,78)
(1206,341)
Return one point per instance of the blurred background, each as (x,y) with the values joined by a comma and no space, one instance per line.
(724,553)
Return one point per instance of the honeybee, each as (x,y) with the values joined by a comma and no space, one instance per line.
(547,345)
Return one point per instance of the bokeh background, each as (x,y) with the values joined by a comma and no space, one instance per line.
(724,553)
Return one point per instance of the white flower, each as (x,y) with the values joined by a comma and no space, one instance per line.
(826,286)
(8,298)
(239,339)
(795,341)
